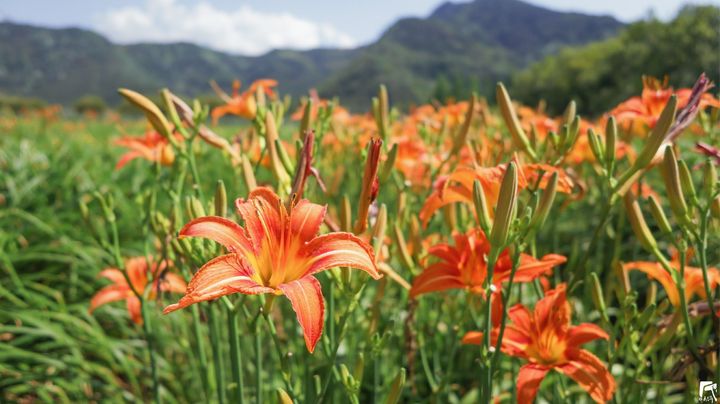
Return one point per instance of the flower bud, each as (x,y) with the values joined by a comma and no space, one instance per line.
(596,146)
(686,181)
(715,208)
(657,213)
(710,179)
(389,164)
(220,199)
(512,121)
(506,207)
(272,134)
(345,214)
(673,187)
(379,231)
(461,137)
(481,209)
(152,112)
(546,202)
(306,118)
(284,157)
(369,189)
(598,296)
(402,246)
(284,397)
(304,166)
(638,224)
(248,173)
(657,134)
(396,387)
(570,112)
(610,140)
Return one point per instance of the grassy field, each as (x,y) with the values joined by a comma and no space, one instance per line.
(67,213)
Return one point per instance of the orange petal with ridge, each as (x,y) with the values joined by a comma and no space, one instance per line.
(306,297)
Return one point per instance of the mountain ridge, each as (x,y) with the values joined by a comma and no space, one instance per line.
(456,39)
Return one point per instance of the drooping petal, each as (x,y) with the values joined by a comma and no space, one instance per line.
(585,332)
(113,274)
(306,218)
(126,158)
(655,271)
(473,338)
(590,373)
(529,378)
(173,283)
(339,250)
(137,272)
(221,276)
(436,201)
(437,277)
(306,297)
(221,230)
(108,294)
(134,309)
(531,268)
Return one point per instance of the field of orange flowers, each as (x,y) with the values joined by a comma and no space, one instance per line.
(270,251)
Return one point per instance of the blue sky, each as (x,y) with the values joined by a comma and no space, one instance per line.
(256,26)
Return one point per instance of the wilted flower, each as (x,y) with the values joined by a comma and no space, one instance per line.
(279,252)
(547,341)
(137,271)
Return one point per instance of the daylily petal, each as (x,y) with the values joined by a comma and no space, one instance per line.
(590,373)
(113,274)
(553,311)
(108,294)
(126,158)
(437,277)
(221,230)
(137,272)
(339,250)
(134,309)
(306,297)
(583,333)
(436,201)
(656,271)
(531,268)
(473,338)
(221,276)
(306,218)
(262,215)
(529,378)
(173,283)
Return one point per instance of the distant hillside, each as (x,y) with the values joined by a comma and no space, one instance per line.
(485,40)
(600,75)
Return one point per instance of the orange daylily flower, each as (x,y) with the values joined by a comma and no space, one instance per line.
(137,271)
(458,186)
(546,339)
(638,114)
(152,147)
(242,104)
(694,282)
(464,266)
(277,251)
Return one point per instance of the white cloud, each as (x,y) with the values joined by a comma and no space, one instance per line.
(243,30)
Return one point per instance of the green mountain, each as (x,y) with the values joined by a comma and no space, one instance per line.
(602,74)
(484,40)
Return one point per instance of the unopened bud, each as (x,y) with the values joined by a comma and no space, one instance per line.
(546,202)
(461,137)
(657,213)
(284,397)
(686,181)
(152,112)
(598,296)
(248,173)
(306,117)
(673,187)
(610,140)
(596,146)
(389,163)
(369,189)
(281,174)
(506,207)
(570,112)
(396,387)
(379,231)
(481,209)
(638,224)
(657,134)
(512,121)
(710,179)
(220,199)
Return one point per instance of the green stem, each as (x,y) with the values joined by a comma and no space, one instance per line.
(151,351)
(503,322)
(217,355)
(235,356)
(258,363)
(200,348)
(582,264)
(491,261)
